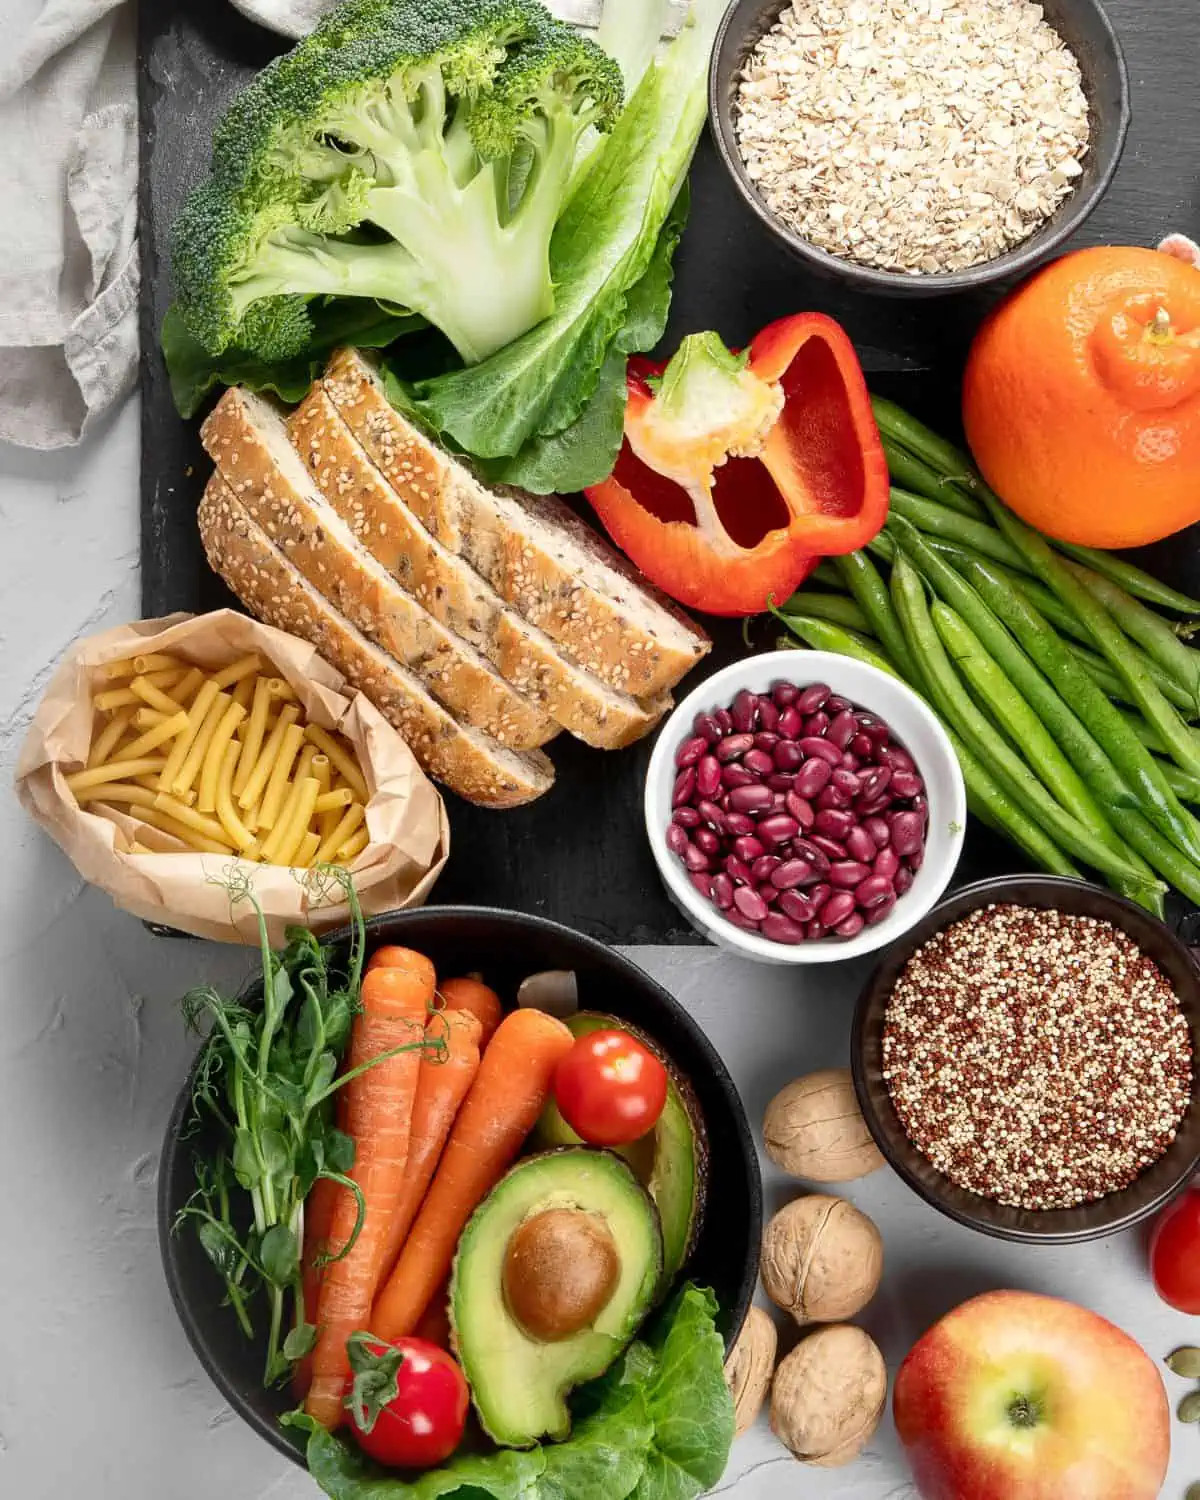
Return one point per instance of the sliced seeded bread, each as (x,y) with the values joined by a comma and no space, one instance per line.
(247,438)
(533,550)
(469,762)
(450,589)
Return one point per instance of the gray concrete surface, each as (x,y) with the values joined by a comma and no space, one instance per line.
(97,1384)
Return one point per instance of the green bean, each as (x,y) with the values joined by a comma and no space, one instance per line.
(1185,787)
(827,575)
(910,473)
(985,798)
(882,547)
(901,430)
(1102,674)
(1134,580)
(1153,634)
(835,607)
(862,578)
(939,520)
(1134,765)
(954,703)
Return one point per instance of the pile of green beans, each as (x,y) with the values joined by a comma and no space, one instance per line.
(1068,695)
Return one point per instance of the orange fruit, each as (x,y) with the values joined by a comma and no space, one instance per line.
(1081,400)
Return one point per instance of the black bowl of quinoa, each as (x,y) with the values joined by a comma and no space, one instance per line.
(1026,1058)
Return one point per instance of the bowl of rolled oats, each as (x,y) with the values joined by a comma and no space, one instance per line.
(920,146)
(1026,1058)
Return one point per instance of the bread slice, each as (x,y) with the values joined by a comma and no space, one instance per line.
(533,550)
(451,590)
(247,438)
(469,762)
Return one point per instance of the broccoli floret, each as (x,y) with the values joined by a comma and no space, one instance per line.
(414,151)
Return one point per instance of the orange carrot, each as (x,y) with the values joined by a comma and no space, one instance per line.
(446,1075)
(406,959)
(511,1087)
(473,995)
(318,1221)
(434,1324)
(379,1105)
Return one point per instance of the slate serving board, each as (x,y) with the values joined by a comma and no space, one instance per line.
(579,855)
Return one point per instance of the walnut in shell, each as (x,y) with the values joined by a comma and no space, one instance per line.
(821,1259)
(828,1395)
(749,1367)
(814,1129)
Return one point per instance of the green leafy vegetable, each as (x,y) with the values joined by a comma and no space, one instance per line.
(658,1424)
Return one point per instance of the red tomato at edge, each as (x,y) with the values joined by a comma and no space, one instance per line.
(1175,1253)
(610,1089)
(424,1424)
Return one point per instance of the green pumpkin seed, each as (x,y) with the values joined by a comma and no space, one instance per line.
(1189,1407)
(1185,1362)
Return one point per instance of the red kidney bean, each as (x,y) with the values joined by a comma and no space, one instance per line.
(706,727)
(708,812)
(830,848)
(753,798)
(738,872)
(706,839)
(750,903)
(748,849)
(871,891)
(878,828)
(902,880)
(686,817)
(695,859)
(886,863)
(708,776)
(812,777)
(822,749)
(862,745)
(806,850)
(852,926)
(799,808)
(702,882)
(812,698)
(685,785)
(815,931)
(833,796)
(845,874)
(778,801)
(768,892)
(764,867)
(877,913)
(733,746)
(738,920)
(766,740)
(745,712)
(724,720)
(677,839)
(846,781)
(918,804)
(781,929)
(860,844)
(735,775)
(738,825)
(815,725)
(722,891)
(778,782)
(792,873)
(875,783)
(908,832)
(768,714)
(778,829)
(906,784)
(834,822)
(759,762)
(797,905)
(842,729)
(819,894)
(837,908)
(690,751)
(836,704)
(790,723)
(873,806)
(785,694)
(849,762)
(895,757)
(787,756)
(916,859)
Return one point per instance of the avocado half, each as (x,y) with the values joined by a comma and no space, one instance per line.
(519,1384)
(670,1161)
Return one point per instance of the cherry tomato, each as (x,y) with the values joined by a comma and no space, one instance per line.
(610,1089)
(422,1424)
(1175,1253)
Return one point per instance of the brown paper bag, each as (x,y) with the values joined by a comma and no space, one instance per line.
(406,820)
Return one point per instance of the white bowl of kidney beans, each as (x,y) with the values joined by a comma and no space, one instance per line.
(804,808)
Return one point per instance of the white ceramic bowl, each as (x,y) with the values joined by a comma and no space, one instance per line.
(913,726)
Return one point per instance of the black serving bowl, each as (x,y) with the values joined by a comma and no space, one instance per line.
(1087,31)
(1092,1221)
(504,946)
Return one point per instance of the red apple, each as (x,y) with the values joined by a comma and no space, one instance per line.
(1013,1396)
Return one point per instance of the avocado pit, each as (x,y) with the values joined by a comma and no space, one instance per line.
(561,1268)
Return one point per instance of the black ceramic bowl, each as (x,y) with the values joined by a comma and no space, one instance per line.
(1092,1221)
(1087,31)
(504,946)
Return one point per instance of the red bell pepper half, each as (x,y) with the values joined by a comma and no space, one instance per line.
(739,471)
